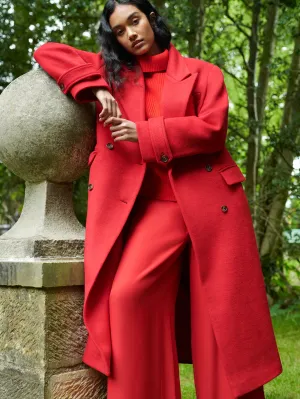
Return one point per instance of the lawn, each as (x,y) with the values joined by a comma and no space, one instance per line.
(286,386)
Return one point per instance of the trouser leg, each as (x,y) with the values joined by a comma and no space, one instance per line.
(209,376)
(142,304)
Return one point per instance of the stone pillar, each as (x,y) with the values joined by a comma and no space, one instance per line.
(45,138)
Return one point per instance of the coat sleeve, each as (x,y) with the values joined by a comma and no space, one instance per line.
(75,71)
(162,139)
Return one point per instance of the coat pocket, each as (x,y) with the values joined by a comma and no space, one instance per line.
(232,174)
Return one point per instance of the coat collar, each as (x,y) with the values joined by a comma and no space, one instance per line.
(178,85)
(177,68)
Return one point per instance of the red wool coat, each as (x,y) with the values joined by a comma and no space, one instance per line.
(189,139)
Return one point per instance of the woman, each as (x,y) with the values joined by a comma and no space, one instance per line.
(167,277)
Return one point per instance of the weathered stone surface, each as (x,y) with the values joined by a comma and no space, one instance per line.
(22,330)
(27,249)
(44,135)
(45,138)
(42,273)
(47,225)
(40,329)
(47,214)
(42,334)
(20,384)
(81,384)
(65,333)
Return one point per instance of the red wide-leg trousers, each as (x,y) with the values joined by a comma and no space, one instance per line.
(142,313)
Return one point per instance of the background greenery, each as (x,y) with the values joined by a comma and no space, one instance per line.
(256,43)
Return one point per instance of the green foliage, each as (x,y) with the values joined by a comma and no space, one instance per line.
(11,196)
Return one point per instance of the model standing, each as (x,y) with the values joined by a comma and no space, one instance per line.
(172,270)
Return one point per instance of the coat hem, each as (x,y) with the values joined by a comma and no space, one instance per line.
(94,359)
(253,383)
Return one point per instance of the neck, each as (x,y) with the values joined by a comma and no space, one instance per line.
(154,50)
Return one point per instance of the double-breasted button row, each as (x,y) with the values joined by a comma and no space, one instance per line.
(110,146)
(208,167)
(90,187)
(62,86)
(164,157)
(224,208)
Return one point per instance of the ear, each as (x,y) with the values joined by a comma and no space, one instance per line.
(152,16)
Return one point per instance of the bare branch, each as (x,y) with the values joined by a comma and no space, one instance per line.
(240,50)
(234,77)
(237,25)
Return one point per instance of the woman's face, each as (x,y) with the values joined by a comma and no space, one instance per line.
(129,25)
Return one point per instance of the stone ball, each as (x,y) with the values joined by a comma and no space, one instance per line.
(44,134)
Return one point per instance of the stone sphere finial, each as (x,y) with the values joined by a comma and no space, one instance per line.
(44,134)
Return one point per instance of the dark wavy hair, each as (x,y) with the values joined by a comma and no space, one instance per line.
(114,54)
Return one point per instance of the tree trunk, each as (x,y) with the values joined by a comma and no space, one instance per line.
(264,73)
(252,154)
(275,193)
(196,28)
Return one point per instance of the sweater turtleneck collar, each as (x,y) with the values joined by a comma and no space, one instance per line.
(154,63)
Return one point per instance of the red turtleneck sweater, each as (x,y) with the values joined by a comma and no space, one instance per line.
(156,183)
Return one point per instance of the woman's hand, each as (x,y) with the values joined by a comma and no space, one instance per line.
(108,102)
(122,129)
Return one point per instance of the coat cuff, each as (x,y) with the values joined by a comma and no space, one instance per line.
(154,145)
(77,74)
(159,139)
(144,139)
(82,91)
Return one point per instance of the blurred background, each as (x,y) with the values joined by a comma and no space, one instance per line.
(257,46)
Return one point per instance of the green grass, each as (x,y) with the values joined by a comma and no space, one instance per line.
(287,385)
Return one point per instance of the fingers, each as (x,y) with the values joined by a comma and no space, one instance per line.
(123,137)
(113,120)
(106,110)
(114,108)
(119,113)
(110,108)
(119,133)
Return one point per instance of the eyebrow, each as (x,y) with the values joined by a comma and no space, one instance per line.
(129,16)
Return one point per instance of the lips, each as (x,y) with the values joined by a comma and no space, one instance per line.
(137,42)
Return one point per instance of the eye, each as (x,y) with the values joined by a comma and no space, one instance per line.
(119,32)
(135,21)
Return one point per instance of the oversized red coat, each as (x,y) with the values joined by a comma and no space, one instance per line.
(189,139)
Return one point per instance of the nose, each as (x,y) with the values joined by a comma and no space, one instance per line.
(131,35)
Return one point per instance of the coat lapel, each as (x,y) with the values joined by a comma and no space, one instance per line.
(178,85)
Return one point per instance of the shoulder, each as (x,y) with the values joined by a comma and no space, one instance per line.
(205,67)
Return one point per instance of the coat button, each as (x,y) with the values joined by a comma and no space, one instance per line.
(90,187)
(164,158)
(62,86)
(224,208)
(110,146)
(208,167)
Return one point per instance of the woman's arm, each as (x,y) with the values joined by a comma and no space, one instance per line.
(75,71)
(188,135)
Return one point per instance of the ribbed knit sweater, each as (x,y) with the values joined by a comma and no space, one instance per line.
(156,183)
